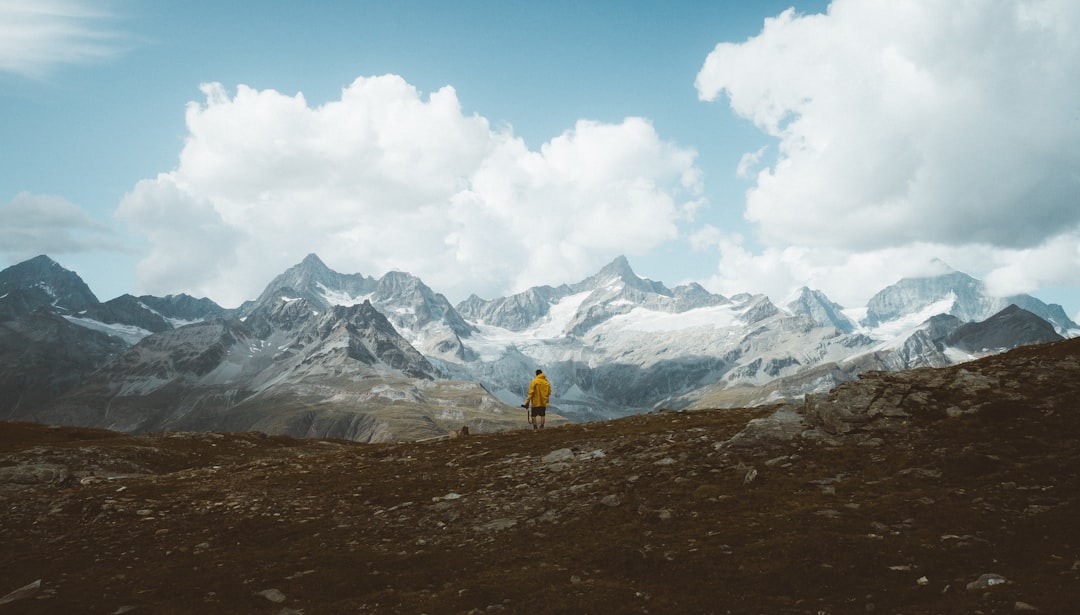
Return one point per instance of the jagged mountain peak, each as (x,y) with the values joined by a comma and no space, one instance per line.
(311,269)
(39,264)
(401,281)
(318,284)
(815,305)
(49,284)
(618,275)
(620,267)
(313,260)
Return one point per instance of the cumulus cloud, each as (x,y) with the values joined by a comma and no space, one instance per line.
(912,127)
(851,278)
(384,179)
(32,224)
(39,35)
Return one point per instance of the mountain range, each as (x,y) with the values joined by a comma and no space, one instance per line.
(325,354)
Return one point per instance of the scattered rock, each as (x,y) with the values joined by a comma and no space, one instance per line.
(496,525)
(562,454)
(273,595)
(750,476)
(596,454)
(24,592)
(32,475)
(986,581)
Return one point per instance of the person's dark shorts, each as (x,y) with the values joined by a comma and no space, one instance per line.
(539,410)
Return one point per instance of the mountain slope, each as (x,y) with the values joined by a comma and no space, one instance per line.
(289,368)
(42,356)
(932,491)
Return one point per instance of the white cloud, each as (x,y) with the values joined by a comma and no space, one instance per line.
(36,36)
(384,179)
(851,278)
(32,224)
(911,129)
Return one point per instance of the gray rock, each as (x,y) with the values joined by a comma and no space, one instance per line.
(273,595)
(496,525)
(26,591)
(986,581)
(33,475)
(562,454)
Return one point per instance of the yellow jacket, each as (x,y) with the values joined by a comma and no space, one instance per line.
(539,392)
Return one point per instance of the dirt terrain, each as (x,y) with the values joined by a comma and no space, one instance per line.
(932,491)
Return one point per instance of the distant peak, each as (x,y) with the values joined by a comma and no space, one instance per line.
(619,267)
(42,259)
(313,260)
(939,267)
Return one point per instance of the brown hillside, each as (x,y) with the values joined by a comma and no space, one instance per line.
(895,494)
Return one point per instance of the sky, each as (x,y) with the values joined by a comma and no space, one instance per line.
(158,147)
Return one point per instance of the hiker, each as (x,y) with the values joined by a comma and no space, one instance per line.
(537,399)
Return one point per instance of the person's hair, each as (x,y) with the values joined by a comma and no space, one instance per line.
(539,371)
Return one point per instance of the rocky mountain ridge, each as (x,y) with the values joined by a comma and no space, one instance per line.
(613,344)
(950,490)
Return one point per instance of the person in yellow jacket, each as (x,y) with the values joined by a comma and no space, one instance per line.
(537,399)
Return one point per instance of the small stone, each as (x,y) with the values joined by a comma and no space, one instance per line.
(923,581)
(751,474)
(496,525)
(611,500)
(1020,607)
(273,595)
(562,454)
(985,581)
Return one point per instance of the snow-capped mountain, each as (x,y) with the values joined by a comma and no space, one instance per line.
(616,344)
(954,293)
(817,307)
(423,316)
(319,349)
(290,367)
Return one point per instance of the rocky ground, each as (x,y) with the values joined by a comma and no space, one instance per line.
(932,491)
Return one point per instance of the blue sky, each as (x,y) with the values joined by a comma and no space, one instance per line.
(203,147)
